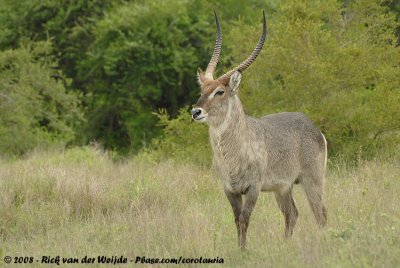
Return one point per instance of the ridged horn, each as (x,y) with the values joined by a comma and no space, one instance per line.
(217,51)
(224,79)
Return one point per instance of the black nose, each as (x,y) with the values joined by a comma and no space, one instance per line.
(196,112)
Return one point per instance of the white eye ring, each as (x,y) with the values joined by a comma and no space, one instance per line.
(219,93)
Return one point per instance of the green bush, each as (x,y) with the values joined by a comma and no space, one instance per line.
(128,58)
(35,109)
(182,139)
(336,61)
(67,23)
(339,65)
(143,58)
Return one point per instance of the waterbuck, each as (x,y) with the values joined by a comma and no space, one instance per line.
(271,153)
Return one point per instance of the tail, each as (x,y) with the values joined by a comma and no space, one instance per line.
(326,150)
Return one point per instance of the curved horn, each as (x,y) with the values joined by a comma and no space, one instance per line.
(245,64)
(217,50)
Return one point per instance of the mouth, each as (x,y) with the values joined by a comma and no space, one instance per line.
(201,119)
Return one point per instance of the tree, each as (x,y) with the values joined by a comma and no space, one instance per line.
(35,109)
(339,65)
(144,57)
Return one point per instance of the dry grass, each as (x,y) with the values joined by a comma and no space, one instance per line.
(79,202)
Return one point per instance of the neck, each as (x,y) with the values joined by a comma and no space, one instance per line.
(234,120)
(229,134)
(230,140)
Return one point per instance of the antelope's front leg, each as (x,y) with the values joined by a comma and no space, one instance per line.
(237,204)
(250,201)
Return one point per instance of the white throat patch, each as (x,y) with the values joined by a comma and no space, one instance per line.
(219,130)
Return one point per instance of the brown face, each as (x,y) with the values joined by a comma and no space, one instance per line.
(213,94)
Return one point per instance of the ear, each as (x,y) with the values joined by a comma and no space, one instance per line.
(234,82)
(200,77)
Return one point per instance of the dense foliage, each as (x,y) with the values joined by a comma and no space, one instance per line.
(142,58)
(337,64)
(336,61)
(35,110)
(340,66)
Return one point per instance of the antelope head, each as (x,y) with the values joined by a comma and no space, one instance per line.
(216,94)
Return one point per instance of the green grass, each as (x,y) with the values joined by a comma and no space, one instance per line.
(79,202)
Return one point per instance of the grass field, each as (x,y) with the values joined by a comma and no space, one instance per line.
(78,202)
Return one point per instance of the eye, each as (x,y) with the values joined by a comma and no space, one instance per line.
(219,93)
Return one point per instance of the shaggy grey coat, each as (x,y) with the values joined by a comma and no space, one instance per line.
(268,154)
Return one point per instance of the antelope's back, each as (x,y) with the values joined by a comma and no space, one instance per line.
(292,135)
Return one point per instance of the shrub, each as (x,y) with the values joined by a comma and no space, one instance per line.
(182,139)
(143,58)
(35,109)
(339,65)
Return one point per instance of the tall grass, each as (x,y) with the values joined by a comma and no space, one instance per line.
(79,202)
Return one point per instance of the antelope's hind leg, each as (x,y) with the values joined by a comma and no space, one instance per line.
(287,206)
(313,182)
(313,187)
